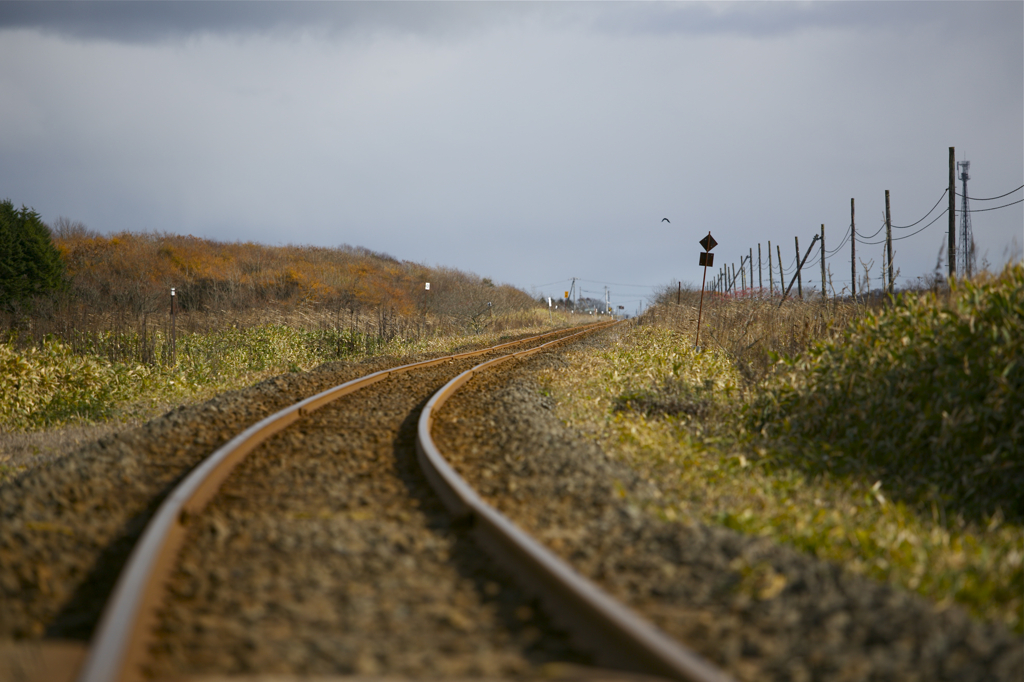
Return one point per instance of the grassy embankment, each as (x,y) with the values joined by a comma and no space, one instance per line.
(890,441)
(98,351)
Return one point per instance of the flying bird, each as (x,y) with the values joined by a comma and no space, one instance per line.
(666,220)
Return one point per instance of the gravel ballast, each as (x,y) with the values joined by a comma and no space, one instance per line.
(67,527)
(327,552)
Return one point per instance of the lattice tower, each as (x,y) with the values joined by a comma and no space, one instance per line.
(965,257)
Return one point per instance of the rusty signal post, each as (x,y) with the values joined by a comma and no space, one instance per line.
(707,259)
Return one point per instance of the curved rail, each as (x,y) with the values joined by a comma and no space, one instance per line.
(615,634)
(119,646)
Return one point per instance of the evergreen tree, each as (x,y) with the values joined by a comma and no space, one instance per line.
(30,265)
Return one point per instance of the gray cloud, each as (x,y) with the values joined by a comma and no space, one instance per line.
(525,142)
(162,20)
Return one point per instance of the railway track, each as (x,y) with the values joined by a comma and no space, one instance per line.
(348,542)
(310,543)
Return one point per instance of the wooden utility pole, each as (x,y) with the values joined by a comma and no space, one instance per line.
(888,241)
(799,267)
(771,282)
(750,260)
(799,279)
(824,294)
(782,275)
(760,284)
(952,213)
(853,254)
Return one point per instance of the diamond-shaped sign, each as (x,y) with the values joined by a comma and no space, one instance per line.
(708,242)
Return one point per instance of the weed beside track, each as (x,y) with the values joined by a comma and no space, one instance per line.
(777,455)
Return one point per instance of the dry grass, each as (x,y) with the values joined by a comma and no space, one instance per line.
(682,419)
(52,400)
(753,332)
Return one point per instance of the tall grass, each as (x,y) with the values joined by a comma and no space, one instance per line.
(54,384)
(926,395)
(886,438)
(753,331)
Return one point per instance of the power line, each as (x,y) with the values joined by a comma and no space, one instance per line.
(880,228)
(903,227)
(846,238)
(991,198)
(616,284)
(907,236)
(979,210)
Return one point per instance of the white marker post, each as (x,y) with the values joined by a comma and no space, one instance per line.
(174,340)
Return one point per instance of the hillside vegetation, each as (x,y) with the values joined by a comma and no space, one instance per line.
(98,343)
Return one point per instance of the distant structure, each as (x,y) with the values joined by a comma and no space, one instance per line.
(965,262)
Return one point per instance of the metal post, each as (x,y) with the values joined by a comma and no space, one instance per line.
(700,308)
(771,279)
(888,241)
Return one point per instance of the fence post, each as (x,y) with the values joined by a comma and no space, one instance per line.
(771,281)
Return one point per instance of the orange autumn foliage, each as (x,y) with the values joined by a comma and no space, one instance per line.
(133,273)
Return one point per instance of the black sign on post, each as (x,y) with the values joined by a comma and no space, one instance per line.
(706,259)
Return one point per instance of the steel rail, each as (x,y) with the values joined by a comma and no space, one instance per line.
(118,648)
(616,635)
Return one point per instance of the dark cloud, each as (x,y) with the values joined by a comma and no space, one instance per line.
(159,20)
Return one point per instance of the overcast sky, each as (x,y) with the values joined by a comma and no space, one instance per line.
(526,142)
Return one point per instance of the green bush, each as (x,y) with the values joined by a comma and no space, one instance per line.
(29,263)
(51,385)
(926,396)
